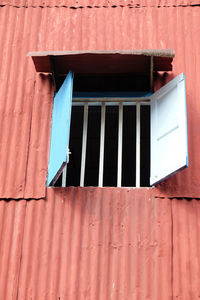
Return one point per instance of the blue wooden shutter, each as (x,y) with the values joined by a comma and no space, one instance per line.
(169,150)
(60,130)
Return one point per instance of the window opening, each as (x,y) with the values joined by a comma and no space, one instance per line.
(103,130)
(129,146)
(103,144)
(111,144)
(93,146)
(103,157)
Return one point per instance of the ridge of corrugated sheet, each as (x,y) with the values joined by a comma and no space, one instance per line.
(93,243)
(186,245)
(12,217)
(16,101)
(99,3)
(20,90)
(26,98)
(87,243)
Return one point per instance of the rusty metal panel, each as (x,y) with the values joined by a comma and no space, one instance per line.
(99,3)
(154,28)
(25,120)
(12,216)
(110,61)
(16,92)
(38,157)
(93,243)
(186,244)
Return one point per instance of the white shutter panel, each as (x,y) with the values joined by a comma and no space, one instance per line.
(169,150)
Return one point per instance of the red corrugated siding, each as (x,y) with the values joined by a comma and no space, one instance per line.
(26,99)
(99,3)
(87,243)
(19,93)
(186,245)
(12,216)
(93,243)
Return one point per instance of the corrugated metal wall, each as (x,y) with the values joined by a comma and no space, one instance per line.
(26,98)
(87,243)
(100,3)
(93,243)
(186,245)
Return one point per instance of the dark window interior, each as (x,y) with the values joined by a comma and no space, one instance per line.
(145,146)
(111,146)
(129,146)
(115,83)
(93,145)
(121,83)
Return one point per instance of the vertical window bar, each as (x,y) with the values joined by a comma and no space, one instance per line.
(137,144)
(102,139)
(119,165)
(64,176)
(84,143)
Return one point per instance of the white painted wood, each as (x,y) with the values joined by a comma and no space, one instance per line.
(102,140)
(169,151)
(84,144)
(120,128)
(111,99)
(129,103)
(64,176)
(138,144)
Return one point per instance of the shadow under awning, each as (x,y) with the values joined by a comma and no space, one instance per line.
(99,62)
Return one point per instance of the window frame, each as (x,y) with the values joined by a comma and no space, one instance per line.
(173,83)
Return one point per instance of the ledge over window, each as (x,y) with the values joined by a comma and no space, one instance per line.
(105,61)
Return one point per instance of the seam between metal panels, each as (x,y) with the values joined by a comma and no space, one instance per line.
(103,6)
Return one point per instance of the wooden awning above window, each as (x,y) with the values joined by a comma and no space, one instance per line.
(110,61)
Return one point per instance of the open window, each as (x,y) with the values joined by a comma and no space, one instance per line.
(147,133)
